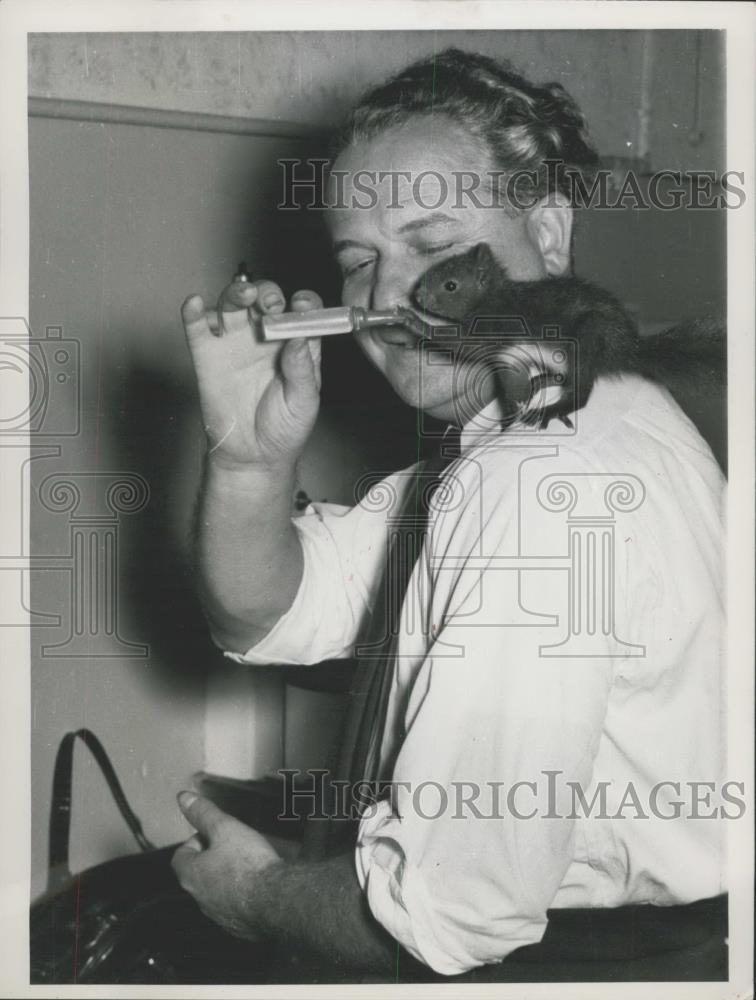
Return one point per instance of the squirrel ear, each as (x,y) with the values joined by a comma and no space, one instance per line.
(482,254)
(482,258)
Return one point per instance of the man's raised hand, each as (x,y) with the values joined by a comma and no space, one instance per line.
(259,401)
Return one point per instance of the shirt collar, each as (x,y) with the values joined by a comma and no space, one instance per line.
(608,401)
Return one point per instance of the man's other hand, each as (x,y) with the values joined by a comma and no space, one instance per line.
(218,865)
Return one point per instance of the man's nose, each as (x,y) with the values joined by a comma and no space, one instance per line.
(393,284)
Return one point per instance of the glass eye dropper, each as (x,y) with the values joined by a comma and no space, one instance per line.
(329,322)
(342,319)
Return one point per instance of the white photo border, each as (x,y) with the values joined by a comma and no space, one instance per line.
(18,19)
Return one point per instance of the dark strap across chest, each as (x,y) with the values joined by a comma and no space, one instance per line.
(356,773)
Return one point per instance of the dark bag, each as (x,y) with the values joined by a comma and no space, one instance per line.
(127,920)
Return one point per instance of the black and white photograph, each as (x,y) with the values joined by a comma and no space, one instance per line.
(377,436)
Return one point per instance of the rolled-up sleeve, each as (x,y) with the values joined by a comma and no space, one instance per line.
(443,927)
(344,551)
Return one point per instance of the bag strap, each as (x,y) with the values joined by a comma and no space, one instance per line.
(60,812)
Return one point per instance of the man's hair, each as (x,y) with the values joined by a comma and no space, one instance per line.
(520,124)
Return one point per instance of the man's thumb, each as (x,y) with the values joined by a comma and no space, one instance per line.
(204,816)
(297,366)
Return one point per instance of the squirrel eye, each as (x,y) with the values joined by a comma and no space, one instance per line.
(450,286)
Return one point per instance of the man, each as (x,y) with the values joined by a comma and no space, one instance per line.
(500,680)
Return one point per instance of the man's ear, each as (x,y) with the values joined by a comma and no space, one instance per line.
(550,227)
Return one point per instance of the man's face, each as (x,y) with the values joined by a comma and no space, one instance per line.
(383,250)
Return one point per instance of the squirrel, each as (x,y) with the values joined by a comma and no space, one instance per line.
(473,290)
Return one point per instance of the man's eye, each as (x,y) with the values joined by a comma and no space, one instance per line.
(349,269)
(431,248)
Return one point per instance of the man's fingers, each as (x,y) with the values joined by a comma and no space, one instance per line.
(195,843)
(304,300)
(297,368)
(270,298)
(236,299)
(185,856)
(315,345)
(266,296)
(205,817)
(195,319)
(237,296)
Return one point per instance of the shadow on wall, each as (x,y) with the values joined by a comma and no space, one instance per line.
(154,428)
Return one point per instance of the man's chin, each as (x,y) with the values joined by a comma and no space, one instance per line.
(439,406)
(422,385)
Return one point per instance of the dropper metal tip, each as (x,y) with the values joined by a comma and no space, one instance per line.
(397,316)
(412,321)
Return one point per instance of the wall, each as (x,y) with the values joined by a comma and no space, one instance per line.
(126,220)
(314,77)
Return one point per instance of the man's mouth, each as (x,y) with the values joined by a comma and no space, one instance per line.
(398,337)
(414,328)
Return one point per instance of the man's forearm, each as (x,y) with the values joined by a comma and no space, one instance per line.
(320,905)
(248,553)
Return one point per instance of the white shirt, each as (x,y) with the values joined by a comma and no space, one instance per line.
(476,698)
